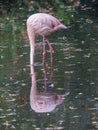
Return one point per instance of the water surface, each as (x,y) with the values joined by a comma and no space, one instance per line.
(74,71)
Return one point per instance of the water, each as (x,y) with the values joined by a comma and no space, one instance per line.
(67,88)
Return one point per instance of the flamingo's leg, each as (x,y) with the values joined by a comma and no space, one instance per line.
(44,49)
(51,49)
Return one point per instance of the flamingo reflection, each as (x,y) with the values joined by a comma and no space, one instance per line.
(43,102)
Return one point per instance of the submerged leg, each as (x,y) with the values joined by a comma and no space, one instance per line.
(45,77)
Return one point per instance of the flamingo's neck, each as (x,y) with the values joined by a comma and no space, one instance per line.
(31,36)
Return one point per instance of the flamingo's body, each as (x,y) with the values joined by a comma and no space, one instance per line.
(41,24)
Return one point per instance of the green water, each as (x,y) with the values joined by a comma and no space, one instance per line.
(74,70)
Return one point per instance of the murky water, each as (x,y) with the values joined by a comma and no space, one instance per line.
(58,96)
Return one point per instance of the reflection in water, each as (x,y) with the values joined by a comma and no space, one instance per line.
(75,68)
(45,101)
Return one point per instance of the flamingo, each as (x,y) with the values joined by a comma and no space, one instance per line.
(41,24)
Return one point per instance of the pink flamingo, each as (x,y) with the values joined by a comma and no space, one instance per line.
(41,24)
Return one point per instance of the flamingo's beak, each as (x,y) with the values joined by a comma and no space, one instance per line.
(63,26)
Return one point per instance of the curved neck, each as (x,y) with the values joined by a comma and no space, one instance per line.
(31,36)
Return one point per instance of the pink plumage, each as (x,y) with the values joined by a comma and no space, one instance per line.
(41,24)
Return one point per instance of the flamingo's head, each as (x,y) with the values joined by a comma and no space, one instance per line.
(62,26)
